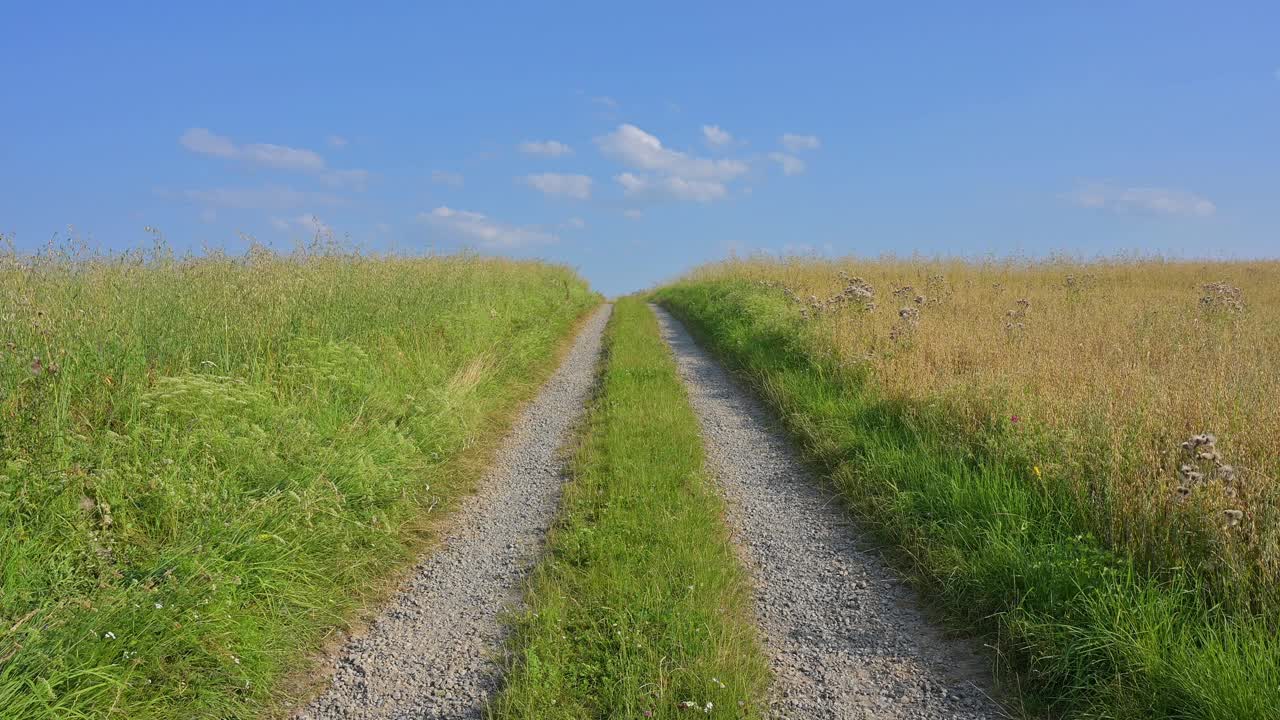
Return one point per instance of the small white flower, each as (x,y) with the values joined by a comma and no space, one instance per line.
(109,635)
(159,606)
(235,659)
(708,707)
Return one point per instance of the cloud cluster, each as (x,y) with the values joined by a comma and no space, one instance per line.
(638,149)
(716,136)
(790,164)
(1149,200)
(671,186)
(268,155)
(545,148)
(798,143)
(669,173)
(577,187)
(481,229)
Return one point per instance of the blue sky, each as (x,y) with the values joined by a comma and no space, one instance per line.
(634,142)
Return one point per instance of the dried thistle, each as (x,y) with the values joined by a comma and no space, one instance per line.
(1221,296)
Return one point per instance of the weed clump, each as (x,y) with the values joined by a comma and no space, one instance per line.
(1221,296)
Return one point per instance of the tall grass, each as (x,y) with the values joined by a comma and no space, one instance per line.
(640,608)
(205,463)
(1046,515)
(1096,380)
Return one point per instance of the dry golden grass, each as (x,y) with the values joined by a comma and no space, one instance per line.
(1104,368)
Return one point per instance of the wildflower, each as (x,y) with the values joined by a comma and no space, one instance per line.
(1036,468)
(1015,419)
(707,708)
(686,704)
(159,606)
(109,635)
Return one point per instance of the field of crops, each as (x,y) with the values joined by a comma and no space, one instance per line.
(1083,460)
(205,464)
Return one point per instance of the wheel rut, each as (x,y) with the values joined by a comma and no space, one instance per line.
(433,650)
(845,637)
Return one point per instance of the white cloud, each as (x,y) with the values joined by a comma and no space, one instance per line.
(282,157)
(631,183)
(545,148)
(672,186)
(444,177)
(208,215)
(200,140)
(280,224)
(575,223)
(480,228)
(796,143)
(1157,201)
(696,190)
(632,214)
(313,225)
(278,157)
(791,165)
(269,197)
(605,101)
(337,141)
(638,149)
(716,136)
(571,186)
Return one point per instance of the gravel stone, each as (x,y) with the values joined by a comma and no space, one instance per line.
(433,651)
(846,636)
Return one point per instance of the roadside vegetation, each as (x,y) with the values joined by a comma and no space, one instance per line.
(640,609)
(1081,461)
(207,464)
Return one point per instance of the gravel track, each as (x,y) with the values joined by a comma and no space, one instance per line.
(844,636)
(432,651)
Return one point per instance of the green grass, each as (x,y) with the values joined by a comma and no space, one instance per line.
(640,604)
(1082,630)
(206,465)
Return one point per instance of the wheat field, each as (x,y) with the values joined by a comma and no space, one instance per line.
(1151,388)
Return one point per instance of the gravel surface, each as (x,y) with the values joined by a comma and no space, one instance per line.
(845,637)
(431,653)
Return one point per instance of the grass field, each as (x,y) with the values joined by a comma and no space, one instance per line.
(640,608)
(206,464)
(1018,430)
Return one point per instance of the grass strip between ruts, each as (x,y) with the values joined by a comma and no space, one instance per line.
(640,608)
